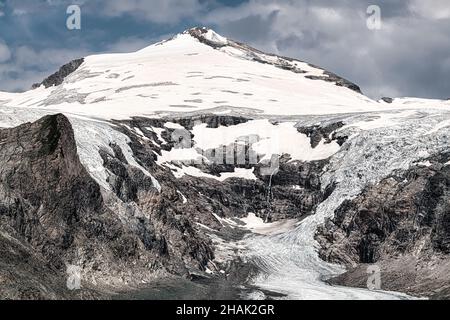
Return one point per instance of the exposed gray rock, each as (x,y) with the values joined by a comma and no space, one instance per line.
(294,191)
(339,81)
(54,211)
(198,34)
(25,275)
(64,95)
(58,77)
(401,224)
(146,85)
(317,133)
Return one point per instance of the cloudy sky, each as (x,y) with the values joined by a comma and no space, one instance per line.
(408,56)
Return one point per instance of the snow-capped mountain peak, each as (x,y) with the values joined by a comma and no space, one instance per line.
(196,71)
(207,34)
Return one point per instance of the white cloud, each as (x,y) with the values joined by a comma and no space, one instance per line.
(16,79)
(26,57)
(431,9)
(26,66)
(5,53)
(19,12)
(158,11)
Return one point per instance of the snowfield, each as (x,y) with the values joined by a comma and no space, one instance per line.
(271,139)
(184,76)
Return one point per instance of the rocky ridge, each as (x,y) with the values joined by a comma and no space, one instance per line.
(58,77)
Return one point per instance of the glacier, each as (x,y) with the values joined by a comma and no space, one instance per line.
(290,261)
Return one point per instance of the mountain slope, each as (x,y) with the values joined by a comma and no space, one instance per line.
(186,74)
(402,223)
(49,203)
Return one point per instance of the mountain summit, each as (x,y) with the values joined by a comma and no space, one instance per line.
(197,70)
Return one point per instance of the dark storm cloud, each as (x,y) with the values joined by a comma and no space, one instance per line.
(409,56)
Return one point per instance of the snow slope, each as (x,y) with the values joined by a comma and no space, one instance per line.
(186,75)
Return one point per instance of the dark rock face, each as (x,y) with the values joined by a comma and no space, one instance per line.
(317,133)
(339,81)
(404,217)
(45,190)
(58,77)
(233,197)
(212,121)
(45,197)
(56,215)
(237,197)
(198,34)
(387,99)
(24,275)
(165,225)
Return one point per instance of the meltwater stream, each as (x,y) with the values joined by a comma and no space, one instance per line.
(289,262)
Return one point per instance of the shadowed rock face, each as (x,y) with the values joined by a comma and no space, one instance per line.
(45,197)
(25,275)
(45,191)
(317,133)
(402,224)
(58,77)
(234,197)
(339,81)
(53,214)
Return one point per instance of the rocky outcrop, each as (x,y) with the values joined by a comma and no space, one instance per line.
(292,192)
(387,99)
(284,63)
(339,81)
(54,215)
(401,224)
(25,275)
(58,77)
(328,133)
(46,197)
(199,33)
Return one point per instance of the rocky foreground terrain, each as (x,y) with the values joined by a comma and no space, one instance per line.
(132,235)
(401,224)
(203,159)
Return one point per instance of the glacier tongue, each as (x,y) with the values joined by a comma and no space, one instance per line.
(290,263)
